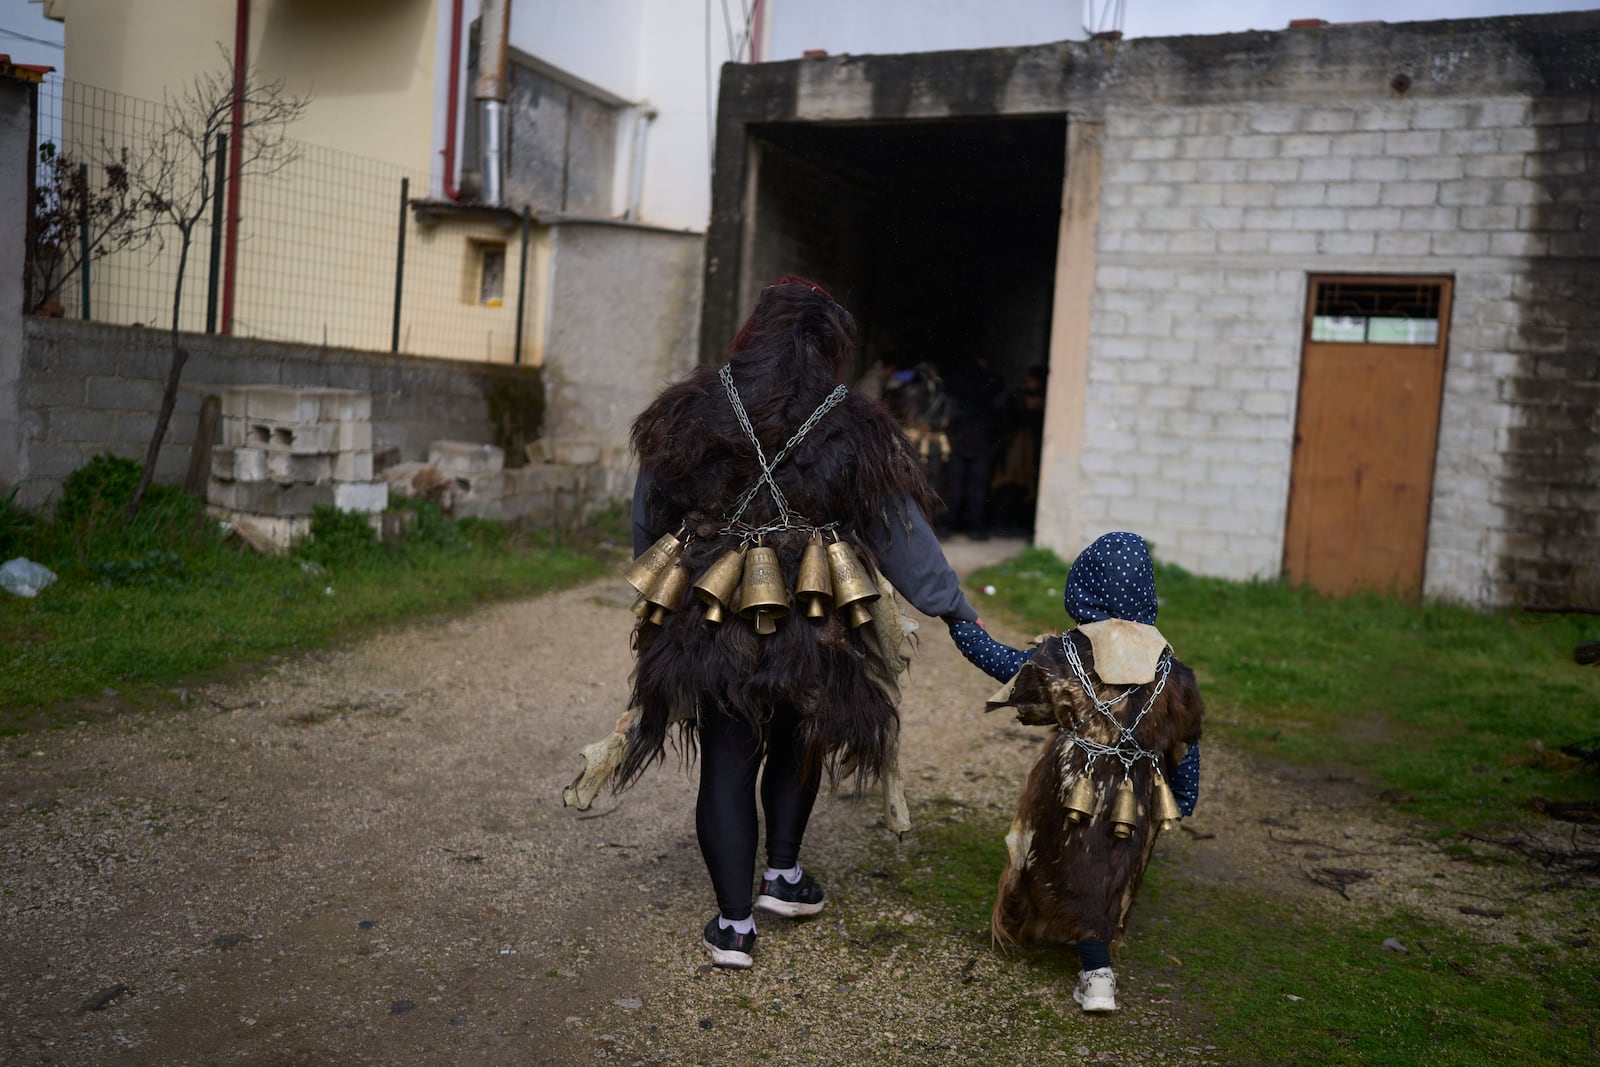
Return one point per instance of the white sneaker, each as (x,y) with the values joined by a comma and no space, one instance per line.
(1096,990)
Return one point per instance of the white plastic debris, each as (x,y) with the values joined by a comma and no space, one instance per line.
(23,577)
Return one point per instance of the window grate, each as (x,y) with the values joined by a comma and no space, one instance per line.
(1371,312)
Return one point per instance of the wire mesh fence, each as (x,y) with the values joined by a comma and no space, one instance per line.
(318,253)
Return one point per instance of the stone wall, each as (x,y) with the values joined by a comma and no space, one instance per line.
(16,116)
(622,309)
(1211,220)
(87,388)
(1236,166)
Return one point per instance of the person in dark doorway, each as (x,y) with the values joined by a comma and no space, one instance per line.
(1124,717)
(874,378)
(1015,493)
(768,458)
(978,398)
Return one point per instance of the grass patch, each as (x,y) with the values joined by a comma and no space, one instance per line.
(1460,713)
(143,604)
(1235,961)
(1241,960)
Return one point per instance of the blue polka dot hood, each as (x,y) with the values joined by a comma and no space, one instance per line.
(1113,579)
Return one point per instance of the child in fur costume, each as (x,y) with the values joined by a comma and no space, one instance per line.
(1122,710)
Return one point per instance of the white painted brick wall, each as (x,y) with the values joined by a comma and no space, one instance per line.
(1211,219)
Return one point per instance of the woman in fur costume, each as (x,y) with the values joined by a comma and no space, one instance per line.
(1122,710)
(769,450)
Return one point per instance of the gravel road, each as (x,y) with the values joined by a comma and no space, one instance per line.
(361,856)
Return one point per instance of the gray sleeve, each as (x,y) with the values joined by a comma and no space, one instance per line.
(912,560)
(643,536)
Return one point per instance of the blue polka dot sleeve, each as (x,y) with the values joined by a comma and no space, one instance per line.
(997,660)
(1186,780)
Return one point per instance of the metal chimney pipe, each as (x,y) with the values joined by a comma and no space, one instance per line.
(489,90)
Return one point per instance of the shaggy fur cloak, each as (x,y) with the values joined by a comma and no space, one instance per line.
(1065,881)
(853,468)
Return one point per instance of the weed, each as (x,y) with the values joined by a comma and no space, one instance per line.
(16,526)
(338,538)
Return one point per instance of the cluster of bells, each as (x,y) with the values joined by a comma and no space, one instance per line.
(1124,811)
(831,576)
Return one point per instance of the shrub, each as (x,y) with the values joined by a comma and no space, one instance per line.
(92,514)
(339,538)
(433,527)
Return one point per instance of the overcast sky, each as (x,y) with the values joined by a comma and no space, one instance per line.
(1141,18)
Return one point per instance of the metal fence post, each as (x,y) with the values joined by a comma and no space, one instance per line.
(216,234)
(522,286)
(83,238)
(400,265)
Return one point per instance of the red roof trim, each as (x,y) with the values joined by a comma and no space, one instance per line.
(23,72)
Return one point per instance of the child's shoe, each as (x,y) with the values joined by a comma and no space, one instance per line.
(728,947)
(1096,990)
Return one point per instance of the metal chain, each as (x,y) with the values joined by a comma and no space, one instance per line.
(1127,749)
(784,522)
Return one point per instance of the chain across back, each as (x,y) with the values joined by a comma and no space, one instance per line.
(786,520)
(1127,750)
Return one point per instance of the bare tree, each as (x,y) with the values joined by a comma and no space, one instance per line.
(176,192)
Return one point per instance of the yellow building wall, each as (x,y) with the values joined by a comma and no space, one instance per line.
(318,239)
(367,65)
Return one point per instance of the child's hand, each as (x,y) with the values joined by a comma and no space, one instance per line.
(1186,780)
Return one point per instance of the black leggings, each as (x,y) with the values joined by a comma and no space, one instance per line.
(725,813)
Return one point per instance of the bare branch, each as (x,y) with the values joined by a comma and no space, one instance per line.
(176,189)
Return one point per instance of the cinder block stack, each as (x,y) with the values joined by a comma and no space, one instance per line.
(287,450)
(478,473)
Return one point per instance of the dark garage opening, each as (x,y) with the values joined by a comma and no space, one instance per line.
(939,235)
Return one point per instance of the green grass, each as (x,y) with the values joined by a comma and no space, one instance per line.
(1448,999)
(142,606)
(1460,713)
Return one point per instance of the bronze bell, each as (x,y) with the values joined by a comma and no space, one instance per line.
(1166,806)
(668,592)
(1124,811)
(643,572)
(1080,801)
(762,598)
(814,586)
(719,583)
(853,589)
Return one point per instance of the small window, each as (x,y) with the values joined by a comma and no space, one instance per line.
(491,274)
(1376,313)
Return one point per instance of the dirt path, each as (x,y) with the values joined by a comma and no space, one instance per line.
(361,857)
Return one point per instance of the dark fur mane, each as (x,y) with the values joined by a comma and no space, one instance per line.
(854,468)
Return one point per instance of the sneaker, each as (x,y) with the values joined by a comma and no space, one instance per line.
(1096,990)
(728,947)
(783,897)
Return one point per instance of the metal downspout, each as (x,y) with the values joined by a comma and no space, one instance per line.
(241,69)
(641,132)
(454,104)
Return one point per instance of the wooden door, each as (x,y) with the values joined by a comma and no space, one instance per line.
(1371,378)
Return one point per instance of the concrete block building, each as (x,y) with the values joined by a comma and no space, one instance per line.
(1322,303)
